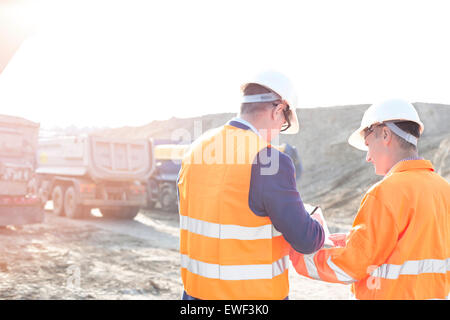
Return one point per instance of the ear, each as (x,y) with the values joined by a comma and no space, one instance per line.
(277,112)
(386,135)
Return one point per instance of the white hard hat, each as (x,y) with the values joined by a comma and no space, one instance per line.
(386,111)
(281,85)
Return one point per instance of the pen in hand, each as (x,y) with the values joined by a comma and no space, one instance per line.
(314,210)
(317,218)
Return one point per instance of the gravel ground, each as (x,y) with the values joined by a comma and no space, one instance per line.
(98,258)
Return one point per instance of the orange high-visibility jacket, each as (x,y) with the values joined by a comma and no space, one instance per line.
(399,245)
(227,252)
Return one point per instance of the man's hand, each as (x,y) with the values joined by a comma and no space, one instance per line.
(339,239)
(317,216)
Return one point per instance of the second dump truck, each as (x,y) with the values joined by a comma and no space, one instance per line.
(162,185)
(79,173)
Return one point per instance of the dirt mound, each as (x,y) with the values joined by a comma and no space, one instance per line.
(441,159)
(335,174)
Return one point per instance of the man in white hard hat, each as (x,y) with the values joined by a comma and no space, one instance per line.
(393,118)
(240,211)
(399,244)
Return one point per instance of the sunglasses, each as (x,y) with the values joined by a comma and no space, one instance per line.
(287,116)
(371,129)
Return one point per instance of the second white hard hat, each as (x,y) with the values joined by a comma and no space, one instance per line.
(389,110)
(282,85)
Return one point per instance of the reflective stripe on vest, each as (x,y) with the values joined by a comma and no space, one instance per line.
(313,273)
(227,231)
(241,272)
(412,267)
(385,271)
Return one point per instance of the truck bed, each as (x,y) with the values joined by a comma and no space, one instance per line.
(99,158)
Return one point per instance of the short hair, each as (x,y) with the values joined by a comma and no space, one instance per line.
(254,107)
(411,128)
(407,126)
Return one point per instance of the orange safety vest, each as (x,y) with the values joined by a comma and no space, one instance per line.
(399,245)
(227,252)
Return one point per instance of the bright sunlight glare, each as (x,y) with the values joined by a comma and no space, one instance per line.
(126,63)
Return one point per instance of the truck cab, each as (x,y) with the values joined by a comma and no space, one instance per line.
(19,203)
(162,185)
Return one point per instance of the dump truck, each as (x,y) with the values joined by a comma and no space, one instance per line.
(19,202)
(79,173)
(162,185)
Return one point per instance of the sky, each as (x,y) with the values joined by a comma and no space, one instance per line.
(127,63)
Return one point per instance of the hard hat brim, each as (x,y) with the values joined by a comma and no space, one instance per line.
(356,140)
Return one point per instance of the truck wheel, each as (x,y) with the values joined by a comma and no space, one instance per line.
(72,209)
(168,200)
(43,196)
(43,191)
(122,213)
(58,200)
(152,193)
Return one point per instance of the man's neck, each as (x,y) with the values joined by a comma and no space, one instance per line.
(399,156)
(405,155)
(248,119)
(260,128)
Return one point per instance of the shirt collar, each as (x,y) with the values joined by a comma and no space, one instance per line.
(245,123)
(411,163)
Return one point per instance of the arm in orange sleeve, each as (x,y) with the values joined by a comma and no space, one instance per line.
(372,238)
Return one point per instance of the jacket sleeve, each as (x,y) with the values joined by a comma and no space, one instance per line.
(372,239)
(273,193)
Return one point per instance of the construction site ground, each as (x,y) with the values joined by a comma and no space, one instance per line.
(98,258)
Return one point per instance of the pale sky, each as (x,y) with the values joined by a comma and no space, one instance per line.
(117,63)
